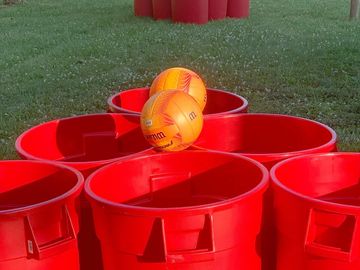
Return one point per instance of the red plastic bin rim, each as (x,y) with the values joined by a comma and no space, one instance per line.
(311,200)
(331,142)
(57,200)
(260,187)
(112,104)
(27,155)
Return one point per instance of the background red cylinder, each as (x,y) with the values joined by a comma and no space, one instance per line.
(143,8)
(161,9)
(238,8)
(217,9)
(190,11)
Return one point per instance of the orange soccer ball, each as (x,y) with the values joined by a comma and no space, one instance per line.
(181,79)
(171,120)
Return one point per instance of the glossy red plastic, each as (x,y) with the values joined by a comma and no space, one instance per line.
(143,8)
(186,210)
(38,216)
(268,138)
(317,210)
(190,11)
(238,8)
(161,9)
(217,9)
(86,143)
(218,102)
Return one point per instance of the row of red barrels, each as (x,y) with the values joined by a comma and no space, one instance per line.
(215,206)
(192,11)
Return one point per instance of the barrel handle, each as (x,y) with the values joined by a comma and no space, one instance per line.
(160,181)
(345,225)
(55,246)
(196,255)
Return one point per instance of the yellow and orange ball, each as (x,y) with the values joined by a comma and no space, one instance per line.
(171,120)
(181,79)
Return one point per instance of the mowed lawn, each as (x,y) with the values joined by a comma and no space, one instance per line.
(62,58)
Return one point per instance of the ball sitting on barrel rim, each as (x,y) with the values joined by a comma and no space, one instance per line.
(181,79)
(171,120)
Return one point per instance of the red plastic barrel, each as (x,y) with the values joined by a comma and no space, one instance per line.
(170,211)
(218,102)
(268,138)
(217,9)
(317,204)
(161,9)
(143,8)
(86,143)
(238,8)
(190,11)
(38,216)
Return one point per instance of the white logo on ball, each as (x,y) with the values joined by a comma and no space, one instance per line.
(148,123)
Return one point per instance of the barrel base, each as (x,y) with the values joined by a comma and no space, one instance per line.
(68,260)
(232,259)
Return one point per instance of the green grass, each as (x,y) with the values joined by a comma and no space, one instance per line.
(62,58)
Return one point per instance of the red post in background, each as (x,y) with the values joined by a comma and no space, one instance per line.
(238,8)
(161,9)
(217,9)
(190,11)
(143,8)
